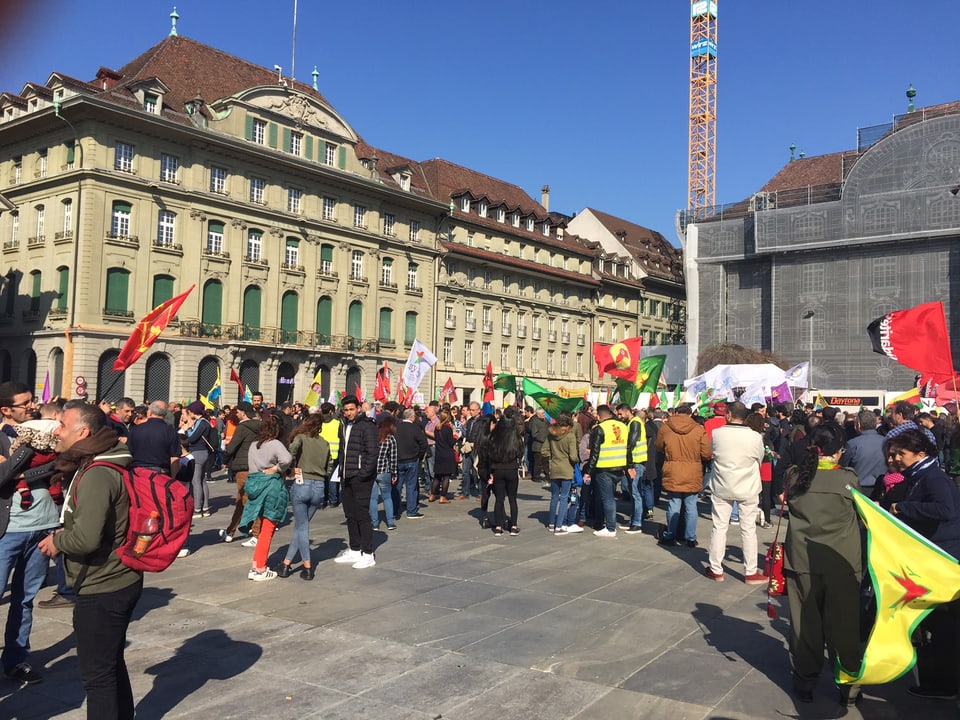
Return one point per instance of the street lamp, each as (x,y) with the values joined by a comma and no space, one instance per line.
(808,315)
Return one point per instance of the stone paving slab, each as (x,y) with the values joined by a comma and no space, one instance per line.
(452,623)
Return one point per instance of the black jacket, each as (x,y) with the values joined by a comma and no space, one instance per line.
(358,458)
(411,441)
(237,450)
(11,470)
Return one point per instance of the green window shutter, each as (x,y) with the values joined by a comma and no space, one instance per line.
(117,285)
(355,320)
(162,289)
(308,147)
(216,227)
(326,253)
(410,328)
(35,277)
(321,151)
(211,314)
(251,307)
(248,129)
(272,135)
(324,319)
(63,287)
(71,152)
(121,206)
(288,317)
(286,139)
(342,157)
(386,324)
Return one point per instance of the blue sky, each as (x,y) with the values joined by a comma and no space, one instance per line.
(590,98)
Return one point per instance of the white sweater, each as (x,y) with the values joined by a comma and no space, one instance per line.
(737,454)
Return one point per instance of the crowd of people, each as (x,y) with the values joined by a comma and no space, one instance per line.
(749,464)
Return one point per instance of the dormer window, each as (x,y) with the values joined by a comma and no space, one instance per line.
(465,203)
(151,103)
(529,224)
(482,208)
(405,182)
(546,229)
(501,215)
(515,219)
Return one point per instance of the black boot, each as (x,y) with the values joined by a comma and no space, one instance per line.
(283,571)
(308,572)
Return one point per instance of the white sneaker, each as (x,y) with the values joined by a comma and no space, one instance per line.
(573,528)
(261,576)
(348,556)
(605,533)
(367,560)
(184,551)
(252,542)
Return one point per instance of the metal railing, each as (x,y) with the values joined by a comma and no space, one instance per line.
(238,332)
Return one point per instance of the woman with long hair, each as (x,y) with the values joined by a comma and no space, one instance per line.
(267,495)
(312,466)
(197,431)
(561,451)
(501,462)
(386,472)
(444,463)
(822,562)
(931,506)
(487,424)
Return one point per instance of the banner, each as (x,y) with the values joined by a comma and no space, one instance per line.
(418,364)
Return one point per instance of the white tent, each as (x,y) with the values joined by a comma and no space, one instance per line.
(725,377)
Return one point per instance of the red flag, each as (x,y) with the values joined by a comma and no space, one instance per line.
(148,330)
(620,359)
(488,383)
(404,398)
(448,393)
(917,338)
(236,378)
(358,393)
(654,401)
(381,390)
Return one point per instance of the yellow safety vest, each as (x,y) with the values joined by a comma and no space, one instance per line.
(330,431)
(613,451)
(639,450)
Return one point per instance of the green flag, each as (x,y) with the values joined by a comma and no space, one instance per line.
(628,392)
(552,403)
(505,382)
(649,371)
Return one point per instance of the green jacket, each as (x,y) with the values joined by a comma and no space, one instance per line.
(312,456)
(561,451)
(267,497)
(823,537)
(95,519)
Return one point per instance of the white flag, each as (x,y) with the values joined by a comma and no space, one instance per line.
(419,362)
(797,375)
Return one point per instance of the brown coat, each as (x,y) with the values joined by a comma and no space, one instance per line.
(685,445)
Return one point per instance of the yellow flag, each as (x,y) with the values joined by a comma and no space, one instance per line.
(910,576)
(313,394)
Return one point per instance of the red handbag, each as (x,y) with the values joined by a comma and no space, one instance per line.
(773,564)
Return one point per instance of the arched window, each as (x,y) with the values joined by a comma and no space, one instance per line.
(214,238)
(211,313)
(115,303)
(288,317)
(162,289)
(120,219)
(110,383)
(250,375)
(324,320)
(355,321)
(55,365)
(353,380)
(207,376)
(251,313)
(156,383)
(285,379)
(386,325)
(409,328)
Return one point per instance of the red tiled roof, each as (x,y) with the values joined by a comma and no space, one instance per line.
(646,245)
(387,161)
(448,180)
(816,170)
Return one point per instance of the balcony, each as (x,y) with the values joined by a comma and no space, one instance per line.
(565,338)
(167,246)
(535,334)
(251,260)
(37,241)
(450,323)
(414,290)
(471,325)
(552,336)
(521,331)
(276,336)
(65,236)
(488,327)
(507,330)
(116,313)
(354,277)
(384,285)
(581,340)
(214,253)
(11,245)
(58,312)
(125,240)
(327,272)
(293,267)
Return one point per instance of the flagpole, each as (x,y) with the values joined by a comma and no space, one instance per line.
(110,385)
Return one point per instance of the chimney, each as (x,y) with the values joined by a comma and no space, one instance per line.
(545,197)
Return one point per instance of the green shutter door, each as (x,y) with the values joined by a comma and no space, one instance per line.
(162,289)
(36,276)
(410,328)
(288,318)
(324,319)
(117,284)
(251,313)
(71,152)
(211,313)
(355,321)
(386,321)
(326,253)
(63,287)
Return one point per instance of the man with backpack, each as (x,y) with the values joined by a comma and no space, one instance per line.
(107,590)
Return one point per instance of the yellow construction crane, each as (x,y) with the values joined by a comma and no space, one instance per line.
(701,167)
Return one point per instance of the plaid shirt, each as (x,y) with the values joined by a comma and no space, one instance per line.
(387,459)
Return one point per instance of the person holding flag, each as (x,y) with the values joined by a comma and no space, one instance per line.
(822,563)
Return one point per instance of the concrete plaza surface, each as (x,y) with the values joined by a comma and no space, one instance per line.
(452,623)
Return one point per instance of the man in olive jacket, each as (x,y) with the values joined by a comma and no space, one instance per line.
(235,455)
(96,507)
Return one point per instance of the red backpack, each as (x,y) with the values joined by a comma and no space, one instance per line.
(152,491)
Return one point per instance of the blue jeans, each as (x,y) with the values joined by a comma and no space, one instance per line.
(382,488)
(648,491)
(559,494)
(19,552)
(408,476)
(306,500)
(63,589)
(637,492)
(605,481)
(467,483)
(585,509)
(689,502)
(428,464)
(574,510)
(333,493)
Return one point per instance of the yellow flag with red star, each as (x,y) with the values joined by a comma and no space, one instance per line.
(911,576)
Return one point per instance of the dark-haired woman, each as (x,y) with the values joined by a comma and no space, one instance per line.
(267,495)
(312,466)
(501,461)
(931,506)
(822,562)
(561,451)
(488,423)
(444,461)
(386,472)
(197,432)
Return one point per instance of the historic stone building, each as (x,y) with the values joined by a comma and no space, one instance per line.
(310,249)
(830,244)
